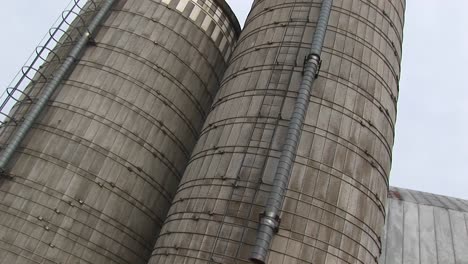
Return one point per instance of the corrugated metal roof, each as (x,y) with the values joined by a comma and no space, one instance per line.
(424,228)
(428,199)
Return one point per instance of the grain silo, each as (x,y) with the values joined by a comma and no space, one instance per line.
(334,206)
(94,149)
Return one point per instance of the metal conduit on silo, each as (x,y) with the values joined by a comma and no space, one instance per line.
(65,67)
(95,175)
(333,210)
(270,219)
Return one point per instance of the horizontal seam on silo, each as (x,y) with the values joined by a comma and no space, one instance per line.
(57,227)
(357,185)
(162,46)
(116,158)
(119,129)
(332,52)
(227,12)
(274,155)
(56,194)
(224,256)
(363,188)
(127,197)
(158,248)
(365,21)
(312,131)
(368,230)
(397,12)
(300,45)
(218,18)
(397,30)
(164,72)
(183,37)
(226,34)
(256,68)
(92,210)
(195,156)
(400,19)
(245,150)
(191,44)
(146,87)
(277,7)
(323,73)
(128,105)
(251,93)
(166,49)
(318,101)
(9,245)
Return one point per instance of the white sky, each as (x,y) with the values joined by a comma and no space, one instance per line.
(431,149)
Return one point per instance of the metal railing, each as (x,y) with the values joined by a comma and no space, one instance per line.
(65,31)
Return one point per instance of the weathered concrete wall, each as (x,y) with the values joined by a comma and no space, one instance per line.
(334,210)
(94,179)
(424,228)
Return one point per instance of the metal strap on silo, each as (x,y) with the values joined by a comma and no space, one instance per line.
(54,83)
(270,219)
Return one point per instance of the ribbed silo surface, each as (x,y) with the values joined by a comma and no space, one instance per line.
(334,207)
(94,178)
(425,228)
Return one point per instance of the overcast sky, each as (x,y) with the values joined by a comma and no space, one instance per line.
(431,149)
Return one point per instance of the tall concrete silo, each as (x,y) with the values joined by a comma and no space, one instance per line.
(333,210)
(96,173)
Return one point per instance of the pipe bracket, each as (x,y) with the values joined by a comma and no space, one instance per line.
(316,60)
(270,219)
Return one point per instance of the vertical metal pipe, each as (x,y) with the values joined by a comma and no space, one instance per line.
(50,88)
(270,220)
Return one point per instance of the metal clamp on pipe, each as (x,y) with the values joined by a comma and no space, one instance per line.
(316,60)
(270,219)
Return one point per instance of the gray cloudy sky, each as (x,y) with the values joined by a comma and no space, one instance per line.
(431,147)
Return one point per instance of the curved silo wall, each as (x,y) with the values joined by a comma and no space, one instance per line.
(334,207)
(95,176)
